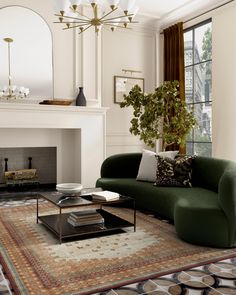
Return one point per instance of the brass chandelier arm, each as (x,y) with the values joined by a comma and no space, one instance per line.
(113,18)
(9,40)
(108,22)
(108,13)
(71,17)
(122,27)
(79,22)
(85,29)
(77,26)
(95,11)
(81,14)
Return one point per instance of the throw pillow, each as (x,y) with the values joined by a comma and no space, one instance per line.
(148,164)
(177,172)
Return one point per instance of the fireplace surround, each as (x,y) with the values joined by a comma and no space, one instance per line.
(78,133)
(42,161)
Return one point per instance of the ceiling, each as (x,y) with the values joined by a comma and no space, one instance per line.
(158,8)
(168,9)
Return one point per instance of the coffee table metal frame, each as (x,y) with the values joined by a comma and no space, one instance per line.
(58,224)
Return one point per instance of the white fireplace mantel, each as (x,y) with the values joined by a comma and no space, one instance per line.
(30,125)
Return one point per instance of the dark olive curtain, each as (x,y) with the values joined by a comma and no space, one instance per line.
(174,61)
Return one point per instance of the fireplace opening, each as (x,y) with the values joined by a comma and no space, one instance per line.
(25,168)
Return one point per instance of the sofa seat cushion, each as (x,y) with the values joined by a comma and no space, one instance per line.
(161,199)
(202,222)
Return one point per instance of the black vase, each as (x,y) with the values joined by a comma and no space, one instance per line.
(80,99)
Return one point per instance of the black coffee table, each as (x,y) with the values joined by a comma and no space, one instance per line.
(59,225)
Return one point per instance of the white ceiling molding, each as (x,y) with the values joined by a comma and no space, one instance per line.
(158,8)
(188,11)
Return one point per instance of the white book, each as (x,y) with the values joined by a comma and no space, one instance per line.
(106,196)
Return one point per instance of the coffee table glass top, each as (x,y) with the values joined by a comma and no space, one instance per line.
(82,199)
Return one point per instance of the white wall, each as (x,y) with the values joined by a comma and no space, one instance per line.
(125,49)
(224,83)
(75,57)
(91,61)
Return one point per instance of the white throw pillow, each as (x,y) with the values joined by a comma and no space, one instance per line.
(148,164)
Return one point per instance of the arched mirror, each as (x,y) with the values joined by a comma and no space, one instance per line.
(29,52)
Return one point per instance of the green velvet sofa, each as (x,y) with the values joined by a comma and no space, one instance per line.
(204,214)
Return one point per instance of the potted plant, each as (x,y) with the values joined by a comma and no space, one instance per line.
(159,115)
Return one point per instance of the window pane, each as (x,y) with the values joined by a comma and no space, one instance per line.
(203,115)
(207,90)
(202,43)
(189,148)
(189,84)
(202,82)
(188,48)
(190,134)
(203,149)
(198,87)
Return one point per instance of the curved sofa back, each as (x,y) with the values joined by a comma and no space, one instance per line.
(121,166)
(208,171)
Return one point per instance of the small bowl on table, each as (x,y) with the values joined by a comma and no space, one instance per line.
(69,189)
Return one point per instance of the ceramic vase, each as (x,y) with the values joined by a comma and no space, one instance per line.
(80,99)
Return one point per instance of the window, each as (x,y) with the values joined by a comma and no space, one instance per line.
(198,86)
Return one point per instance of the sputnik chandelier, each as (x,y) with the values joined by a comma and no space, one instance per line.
(121,14)
(12,91)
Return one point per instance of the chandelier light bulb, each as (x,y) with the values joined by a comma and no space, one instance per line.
(113,3)
(13,88)
(126,5)
(93,2)
(62,6)
(75,4)
(134,10)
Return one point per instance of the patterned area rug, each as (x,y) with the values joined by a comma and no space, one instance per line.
(36,263)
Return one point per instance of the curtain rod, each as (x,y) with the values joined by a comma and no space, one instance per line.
(201,14)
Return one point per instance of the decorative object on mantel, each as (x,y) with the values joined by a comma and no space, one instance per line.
(12,91)
(64,102)
(123,85)
(71,15)
(80,99)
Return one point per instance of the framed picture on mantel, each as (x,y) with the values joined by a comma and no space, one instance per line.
(123,85)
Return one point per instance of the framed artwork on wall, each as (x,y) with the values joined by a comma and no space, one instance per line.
(123,85)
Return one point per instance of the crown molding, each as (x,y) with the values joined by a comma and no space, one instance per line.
(189,10)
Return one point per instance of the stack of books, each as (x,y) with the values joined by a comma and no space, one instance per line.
(86,217)
(105,196)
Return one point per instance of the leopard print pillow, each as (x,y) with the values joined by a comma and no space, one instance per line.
(177,172)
